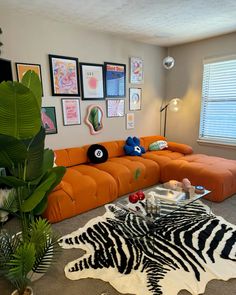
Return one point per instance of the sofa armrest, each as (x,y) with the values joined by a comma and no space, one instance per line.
(180,148)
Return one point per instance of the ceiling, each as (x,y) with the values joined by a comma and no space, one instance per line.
(160,22)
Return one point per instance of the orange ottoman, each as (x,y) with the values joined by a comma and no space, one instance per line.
(216,174)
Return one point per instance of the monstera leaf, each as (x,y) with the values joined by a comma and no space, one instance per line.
(19,111)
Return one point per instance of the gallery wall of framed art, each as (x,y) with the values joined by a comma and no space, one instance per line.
(87,82)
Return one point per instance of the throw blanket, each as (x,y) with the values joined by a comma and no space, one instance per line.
(182,251)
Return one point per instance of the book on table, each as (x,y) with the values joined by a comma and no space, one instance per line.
(166,194)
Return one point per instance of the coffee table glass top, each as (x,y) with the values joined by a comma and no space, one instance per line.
(159,203)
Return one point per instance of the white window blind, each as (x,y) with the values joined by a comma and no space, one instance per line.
(218,110)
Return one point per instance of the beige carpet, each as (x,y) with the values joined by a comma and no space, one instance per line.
(55,282)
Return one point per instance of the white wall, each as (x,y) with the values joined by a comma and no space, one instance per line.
(185,81)
(30,39)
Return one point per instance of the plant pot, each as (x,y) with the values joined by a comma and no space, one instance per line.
(28,291)
(35,276)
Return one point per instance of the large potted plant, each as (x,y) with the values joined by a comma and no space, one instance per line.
(30,177)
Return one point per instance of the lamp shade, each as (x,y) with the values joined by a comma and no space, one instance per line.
(175,104)
(168,62)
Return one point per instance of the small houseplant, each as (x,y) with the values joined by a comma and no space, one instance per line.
(31,176)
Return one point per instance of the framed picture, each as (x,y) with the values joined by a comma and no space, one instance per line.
(64,75)
(22,68)
(115,80)
(71,111)
(135,96)
(136,70)
(92,83)
(130,121)
(48,115)
(6,70)
(115,108)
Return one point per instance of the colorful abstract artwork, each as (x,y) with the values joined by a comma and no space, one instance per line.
(71,111)
(136,70)
(115,80)
(115,108)
(64,75)
(48,115)
(22,68)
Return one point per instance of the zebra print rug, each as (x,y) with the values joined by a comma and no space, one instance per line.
(183,251)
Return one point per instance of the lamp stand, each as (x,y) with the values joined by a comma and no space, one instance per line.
(164,109)
(165,122)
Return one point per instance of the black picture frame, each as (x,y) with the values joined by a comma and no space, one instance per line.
(21,68)
(6,70)
(71,85)
(115,80)
(49,119)
(92,81)
(71,121)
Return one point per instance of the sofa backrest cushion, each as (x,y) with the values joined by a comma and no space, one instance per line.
(62,158)
(180,148)
(114,148)
(71,156)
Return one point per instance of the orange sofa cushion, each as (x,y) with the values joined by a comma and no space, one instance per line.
(180,148)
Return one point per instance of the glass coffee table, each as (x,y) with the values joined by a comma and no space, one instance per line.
(166,207)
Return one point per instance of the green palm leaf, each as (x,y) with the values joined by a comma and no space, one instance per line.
(46,244)
(21,264)
(10,204)
(19,111)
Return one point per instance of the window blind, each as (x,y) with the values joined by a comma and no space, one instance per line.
(218,108)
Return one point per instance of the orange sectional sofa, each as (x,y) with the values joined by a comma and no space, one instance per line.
(86,186)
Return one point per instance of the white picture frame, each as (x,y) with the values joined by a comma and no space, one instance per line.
(136,70)
(130,121)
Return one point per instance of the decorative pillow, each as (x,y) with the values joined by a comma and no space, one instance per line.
(133,148)
(97,153)
(158,145)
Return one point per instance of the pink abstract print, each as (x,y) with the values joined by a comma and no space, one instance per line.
(65,76)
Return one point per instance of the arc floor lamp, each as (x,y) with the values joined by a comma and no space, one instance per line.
(173,105)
